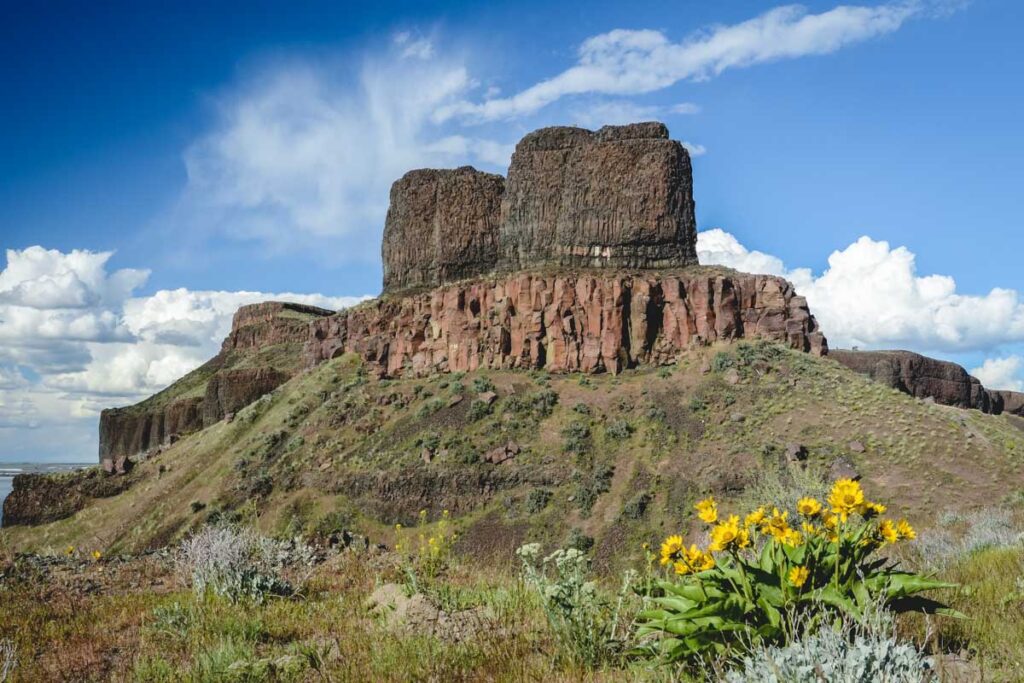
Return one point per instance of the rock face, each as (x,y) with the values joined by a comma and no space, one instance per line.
(269,323)
(590,323)
(442,226)
(947,383)
(620,198)
(230,390)
(1012,401)
(126,432)
(42,498)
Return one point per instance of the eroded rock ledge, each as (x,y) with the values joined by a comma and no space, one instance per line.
(589,322)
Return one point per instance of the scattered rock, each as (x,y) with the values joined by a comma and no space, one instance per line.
(427,455)
(842,468)
(487,397)
(732,377)
(857,447)
(737,417)
(796,453)
(500,454)
(455,400)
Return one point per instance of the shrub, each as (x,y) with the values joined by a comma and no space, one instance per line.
(233,563)
(537,500)
(581,409)
(636,507)
(968,534)
(590,487)
(579,541)
(429,408)
(478,410)
(588,627)
(837,656)
(577,437)
(482,384)
(722,362)
(619,429)
(760,569)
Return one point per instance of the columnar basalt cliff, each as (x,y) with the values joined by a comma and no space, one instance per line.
(442,225)
(618,198)
(588,322)
(217,388)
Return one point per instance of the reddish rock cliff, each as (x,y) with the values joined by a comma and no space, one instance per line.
(589,322)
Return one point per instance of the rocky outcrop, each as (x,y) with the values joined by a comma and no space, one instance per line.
(589,322)
(1012,401)
(270,323)
(442,225)
(618,198)
(231,390)
(127,431)
(947,383)
(41,498)
(213,390)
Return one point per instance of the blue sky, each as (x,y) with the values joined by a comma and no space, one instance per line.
(174,162)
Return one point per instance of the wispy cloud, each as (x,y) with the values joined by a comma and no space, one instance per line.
(631,62)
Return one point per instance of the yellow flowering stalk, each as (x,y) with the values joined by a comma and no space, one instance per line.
(755,518)
(905,531)
(887,531)
(729,535)
(707,510)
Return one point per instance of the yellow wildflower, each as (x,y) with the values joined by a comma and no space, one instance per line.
(870,510)
(809,528)
(729,534)
(681,568)
(707,510)
(776,525)
(671,549)
(70,550)
(755,518)
(845,498)
(798,576)
(808,507)
(96,555)
(887,531)
(645,546)
(792,538)
(906,531)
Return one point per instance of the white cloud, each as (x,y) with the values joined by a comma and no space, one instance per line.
(619,111)
(872,296)
(632,62)
(306,152)
(1001,373)
(74,339)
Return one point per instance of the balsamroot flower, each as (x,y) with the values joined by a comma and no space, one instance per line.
(729,535)
(846,498)
(808,507)
(707,510)
(798,576)
(671,549)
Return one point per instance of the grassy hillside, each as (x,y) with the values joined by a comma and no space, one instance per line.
(609,458)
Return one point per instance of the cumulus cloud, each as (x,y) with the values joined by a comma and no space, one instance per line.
(1001,373)
(631,62)
(872,296)
(75,338)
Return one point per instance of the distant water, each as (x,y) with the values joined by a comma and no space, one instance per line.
(7,472)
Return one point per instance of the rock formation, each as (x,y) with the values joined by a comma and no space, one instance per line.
(588,322)
(619,198)
(947,383)
(215,389)
(442,226)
